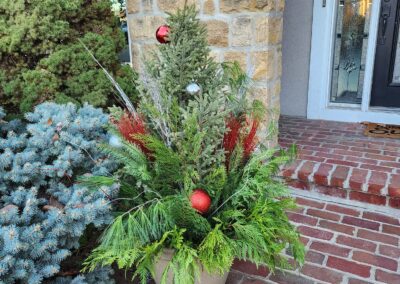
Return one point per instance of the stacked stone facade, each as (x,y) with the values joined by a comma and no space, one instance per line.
(247,31)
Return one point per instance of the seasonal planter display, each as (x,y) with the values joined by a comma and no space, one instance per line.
(197,190)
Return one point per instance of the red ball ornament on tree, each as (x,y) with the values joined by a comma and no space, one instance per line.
(162,34)
(200,201)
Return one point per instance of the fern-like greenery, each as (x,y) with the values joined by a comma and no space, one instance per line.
(205,141)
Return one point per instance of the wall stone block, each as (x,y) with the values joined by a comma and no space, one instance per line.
(218,32)
(236,6)
(242,31)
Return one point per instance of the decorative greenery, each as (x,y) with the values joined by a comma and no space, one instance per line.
(176,143)
(43,210)
(41,58)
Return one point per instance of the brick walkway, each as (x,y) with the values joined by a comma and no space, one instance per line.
(336,159)
(345,244)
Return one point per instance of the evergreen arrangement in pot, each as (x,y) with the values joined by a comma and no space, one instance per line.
(197,189)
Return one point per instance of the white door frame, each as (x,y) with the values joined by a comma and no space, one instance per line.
(322,48)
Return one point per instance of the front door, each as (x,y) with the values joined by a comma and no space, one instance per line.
(347,82)
(386,81)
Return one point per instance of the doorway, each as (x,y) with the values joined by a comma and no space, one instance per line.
(386,80)
(344,84)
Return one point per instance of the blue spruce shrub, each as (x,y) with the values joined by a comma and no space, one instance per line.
(43,211)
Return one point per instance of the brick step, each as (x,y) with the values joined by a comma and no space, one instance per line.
(336,159)
(345,182)
(345,245)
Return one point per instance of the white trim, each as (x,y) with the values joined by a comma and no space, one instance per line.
(369,65)
(322,45)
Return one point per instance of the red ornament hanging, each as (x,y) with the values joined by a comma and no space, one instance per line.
(162,34)
(200,201)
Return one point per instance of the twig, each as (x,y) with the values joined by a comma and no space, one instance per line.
(121,92)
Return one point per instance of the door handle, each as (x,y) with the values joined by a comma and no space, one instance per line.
(385,15)
(323,3)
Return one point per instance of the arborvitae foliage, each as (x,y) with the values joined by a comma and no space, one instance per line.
(178,142)
(41,58)
(43,210)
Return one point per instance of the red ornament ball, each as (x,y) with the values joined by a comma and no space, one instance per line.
(200,200)
(162,34)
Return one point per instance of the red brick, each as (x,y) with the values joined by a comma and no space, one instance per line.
(369,198)
(375,260)
(366,150)
(339,176)
(377,182)
(334,146)
(331,191)
(379,157)
(343,163)
(390,164)
(377,237)
(349,230)
(342,210)
(321,175)
(376,168)
(357,281)
(394,186)
(298,218)
(314,257)
(386,277)
(394,202)
(349,266)
(315,233)
(356,243)
(306,170)
(298,184)
(305,152)
(311,158)
(304,240)
(330,249)
(323,214)
(380,218)
(390,251)
(250,268)
(289,171)
(310,203)
(329,156)
(322,274)
(346,153)
(357,179)
(393,230)
(361,223)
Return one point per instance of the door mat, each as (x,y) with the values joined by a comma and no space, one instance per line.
(382,130)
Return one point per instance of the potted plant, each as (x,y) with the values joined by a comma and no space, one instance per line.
(197,190)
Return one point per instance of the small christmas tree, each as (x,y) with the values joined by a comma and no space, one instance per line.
(194,179)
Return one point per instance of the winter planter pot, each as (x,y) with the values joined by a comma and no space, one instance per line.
(205,277)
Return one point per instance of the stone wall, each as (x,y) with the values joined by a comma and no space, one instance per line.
(248,31)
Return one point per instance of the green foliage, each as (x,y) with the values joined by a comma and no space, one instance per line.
(184,138)
(41,58)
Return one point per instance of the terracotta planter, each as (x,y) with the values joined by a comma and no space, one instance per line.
(205,278)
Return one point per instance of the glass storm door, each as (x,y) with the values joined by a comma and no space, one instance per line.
(350,48)
(386,81)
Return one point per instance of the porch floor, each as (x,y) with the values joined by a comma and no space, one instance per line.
(336,159)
